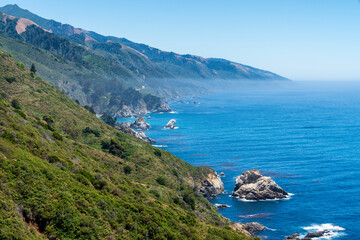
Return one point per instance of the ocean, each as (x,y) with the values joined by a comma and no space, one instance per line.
(305,136)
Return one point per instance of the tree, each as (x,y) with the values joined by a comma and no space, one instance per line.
(108,119)
(16,104)
(33,68)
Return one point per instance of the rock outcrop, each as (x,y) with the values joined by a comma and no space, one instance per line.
(309,236)
(222,206)
(125,128)
(211,186)
(251,185)
(254,227)
(239,227)
(140,124)
(171,124)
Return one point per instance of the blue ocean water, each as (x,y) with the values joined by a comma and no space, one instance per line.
(306,138)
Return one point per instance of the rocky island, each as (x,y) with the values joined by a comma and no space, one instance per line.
(171,124)
(251,185)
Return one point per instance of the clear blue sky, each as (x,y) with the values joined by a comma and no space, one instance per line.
(299,39)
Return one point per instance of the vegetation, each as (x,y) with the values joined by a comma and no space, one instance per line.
(89,187)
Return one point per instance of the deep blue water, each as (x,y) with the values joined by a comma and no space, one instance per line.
(307,139)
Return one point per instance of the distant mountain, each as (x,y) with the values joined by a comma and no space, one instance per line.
(188,67)
(112,74)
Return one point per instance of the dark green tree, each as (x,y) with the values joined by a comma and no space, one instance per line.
(33,68)
(16,104)
(108,119)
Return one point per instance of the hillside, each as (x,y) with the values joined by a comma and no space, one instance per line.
(188,67)
(65,174)
(82,74)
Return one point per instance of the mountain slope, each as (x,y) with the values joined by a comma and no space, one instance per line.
(83,74)
(67,175)
(185,67)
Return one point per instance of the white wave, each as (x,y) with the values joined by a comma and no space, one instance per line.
(323,227)
(333,231)
(171,129)
(288,197)
(271,229)
(159,146)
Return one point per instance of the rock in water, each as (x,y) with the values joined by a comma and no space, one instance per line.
(251,185)
(222,206)
(294,236)
(211,186)
(171,124)
(125,128)
(254,227)
(316,235)
(140,124)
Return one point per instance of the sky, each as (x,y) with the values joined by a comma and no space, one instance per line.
(298,39)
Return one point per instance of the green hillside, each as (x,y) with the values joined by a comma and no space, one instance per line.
(67,175)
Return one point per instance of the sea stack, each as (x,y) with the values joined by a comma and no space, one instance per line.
(251,185)
(140,124)
(211,186)
(171,124)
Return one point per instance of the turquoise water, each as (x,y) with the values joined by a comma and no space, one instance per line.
(307,139)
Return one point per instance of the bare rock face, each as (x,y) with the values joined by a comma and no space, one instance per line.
(239,227)
(251,185)
(211,186)
(125,128)
(254,227)
(171,124)
(140,124)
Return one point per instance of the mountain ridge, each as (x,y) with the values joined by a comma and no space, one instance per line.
(174,63)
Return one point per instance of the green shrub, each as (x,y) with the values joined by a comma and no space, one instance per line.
(48,119)
(57,136)
(10,79)
(155,193)
(189,199)
(88,130)
(176,174)
(21,113)
(20,65)
(15,104)
(161,181)
(53,159)
(157,152)
(127,169)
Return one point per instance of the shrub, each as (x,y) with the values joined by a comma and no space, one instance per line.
(155,193)
(20,65)
(176,174)
(88,130)
(157,152)
(48,119)
(161,181)
(53,159)
(189,199)
(127,169)
(16,104)
(21,113)
(57,136)
(10,79)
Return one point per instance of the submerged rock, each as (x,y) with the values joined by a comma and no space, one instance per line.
(222,174)
(171,124)
(251,185)
(254,227)
(140,124)
(211,186)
